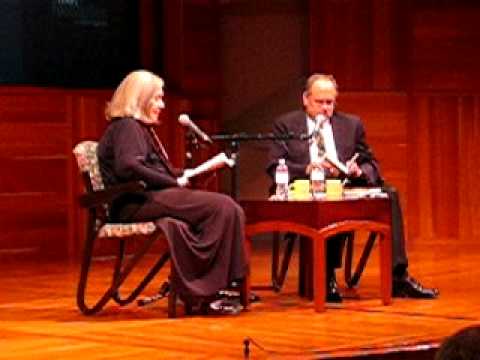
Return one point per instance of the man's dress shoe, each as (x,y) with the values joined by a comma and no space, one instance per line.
(333,295)
(407,286)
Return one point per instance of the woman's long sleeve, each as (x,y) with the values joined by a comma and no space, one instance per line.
(135,161)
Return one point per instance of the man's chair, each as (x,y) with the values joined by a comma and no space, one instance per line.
(96,200)
(280,265)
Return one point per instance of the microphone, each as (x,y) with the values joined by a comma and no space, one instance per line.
(184,120)
(319,120)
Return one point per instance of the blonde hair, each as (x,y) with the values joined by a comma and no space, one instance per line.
(132,95)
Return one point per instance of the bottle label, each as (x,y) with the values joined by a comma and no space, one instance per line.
(281,178)
(317,175)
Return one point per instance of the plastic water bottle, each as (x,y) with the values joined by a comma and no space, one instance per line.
(317,182)
(281,180)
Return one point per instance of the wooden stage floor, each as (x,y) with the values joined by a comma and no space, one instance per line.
(39,318)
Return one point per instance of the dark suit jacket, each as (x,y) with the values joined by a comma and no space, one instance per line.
(349,137)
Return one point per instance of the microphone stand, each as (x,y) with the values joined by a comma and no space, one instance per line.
(234,141)
(192,145)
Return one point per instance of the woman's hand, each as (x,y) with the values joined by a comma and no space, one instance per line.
(182,181)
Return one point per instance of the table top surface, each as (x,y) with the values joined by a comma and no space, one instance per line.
(317,212)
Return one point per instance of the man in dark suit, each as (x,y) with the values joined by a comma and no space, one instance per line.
(342,136)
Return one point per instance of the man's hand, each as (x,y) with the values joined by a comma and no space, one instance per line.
(332,169)
(324,164)
(353,168)
(313,165)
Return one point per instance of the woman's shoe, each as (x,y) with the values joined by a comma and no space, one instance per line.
(235,295)
(224,307)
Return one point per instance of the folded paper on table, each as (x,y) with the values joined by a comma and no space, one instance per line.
(358,193)
(216,162)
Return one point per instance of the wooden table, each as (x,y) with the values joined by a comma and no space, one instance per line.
(310,218)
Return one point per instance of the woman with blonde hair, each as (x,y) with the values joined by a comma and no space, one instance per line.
(209,252)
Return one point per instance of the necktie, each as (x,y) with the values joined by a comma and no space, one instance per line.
(319,140)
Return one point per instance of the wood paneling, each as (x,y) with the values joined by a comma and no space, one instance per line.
(35,137)
(443,153)
(360,42)
(192,39)
(445,55)
(341,41)
(192,62)
(424,129)
(384,115)
(39,182)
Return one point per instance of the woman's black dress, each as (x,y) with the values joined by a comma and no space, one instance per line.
(208,249)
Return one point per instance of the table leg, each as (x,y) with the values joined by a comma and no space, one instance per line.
(320,277)
(385,270)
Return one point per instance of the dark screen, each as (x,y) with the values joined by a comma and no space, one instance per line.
(71,43)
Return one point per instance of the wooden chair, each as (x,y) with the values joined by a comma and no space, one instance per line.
(280,265)
(96,200)
(352,279)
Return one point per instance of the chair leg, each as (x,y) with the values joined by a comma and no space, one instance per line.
(305,270)
(287,255)
(278,277)
(275,258)
(348,259)
(172,302)
(146,280)
(354,280)
(85,270)
(120,274)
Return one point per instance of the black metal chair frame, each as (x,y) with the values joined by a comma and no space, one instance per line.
(96,202)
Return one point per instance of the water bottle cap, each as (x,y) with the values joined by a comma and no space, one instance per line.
(281,161)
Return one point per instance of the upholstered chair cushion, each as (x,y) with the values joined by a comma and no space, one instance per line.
(86,155)
(124,230)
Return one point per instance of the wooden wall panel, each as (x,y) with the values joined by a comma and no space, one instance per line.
(192,39)
(361,42)
(34,107)
(444,161)
(39,183)
(469,173)
(39,174)
(384,115)
(341,41)
(31,139)
(425,52)
(444,47)
(427,148)
(443,152)
(34,137)
(192,61)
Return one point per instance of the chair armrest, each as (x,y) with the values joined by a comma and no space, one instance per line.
(106,196)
